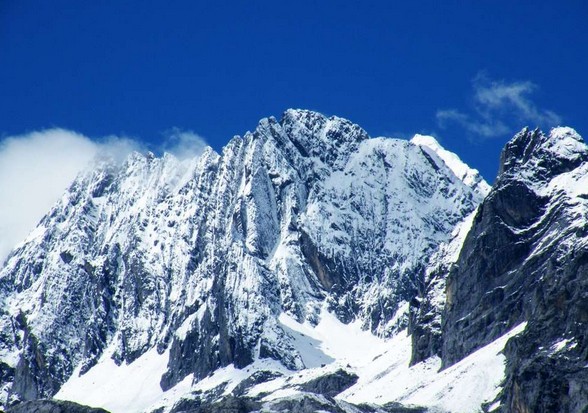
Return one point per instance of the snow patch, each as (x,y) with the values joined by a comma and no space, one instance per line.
(348,344)
(462,387)
(563,344)
(566,142)
(126,388)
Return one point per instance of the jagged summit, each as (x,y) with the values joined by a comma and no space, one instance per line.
(319,137)
(317,125)
(561,150)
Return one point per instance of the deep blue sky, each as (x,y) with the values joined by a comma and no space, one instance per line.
(140,68)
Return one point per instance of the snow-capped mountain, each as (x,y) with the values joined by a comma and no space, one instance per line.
(199,259)
(284,273)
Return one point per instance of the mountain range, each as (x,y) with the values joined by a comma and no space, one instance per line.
(307,267)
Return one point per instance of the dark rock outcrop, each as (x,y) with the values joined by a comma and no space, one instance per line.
(424,324)
(301,403)
(311,403)
(229,404)
(526,259)
(52,406)
(331,384)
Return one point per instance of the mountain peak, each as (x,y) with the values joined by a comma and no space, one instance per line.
(303,114)
(562,150)
(196,263)
(327,140)
(471,177)
(566,142)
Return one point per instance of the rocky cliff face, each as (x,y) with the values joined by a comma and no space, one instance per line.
(198,259)
(525,259)
(426,307)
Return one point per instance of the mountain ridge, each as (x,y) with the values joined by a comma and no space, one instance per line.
(230,266)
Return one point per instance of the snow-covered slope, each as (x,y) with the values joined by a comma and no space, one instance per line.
(381,366)
(469,176)
(197,267)
(462,388)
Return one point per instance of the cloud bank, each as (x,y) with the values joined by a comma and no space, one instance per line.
(36,168)
(183,144)
(499,108)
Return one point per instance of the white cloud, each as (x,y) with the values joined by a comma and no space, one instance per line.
(184,144)
(35,169)
(487,127)
(499,108)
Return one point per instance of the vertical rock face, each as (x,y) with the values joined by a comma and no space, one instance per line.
(426,309)
(525,259)
(200,257)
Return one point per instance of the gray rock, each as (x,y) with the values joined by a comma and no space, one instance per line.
(52,406)
(331,384)
(305,404)
(525,259)
(228,404)
(256,378)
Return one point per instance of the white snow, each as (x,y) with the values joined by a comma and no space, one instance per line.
(326,347)
(469,176)
(9,356)
(348,344)
(562,344)
(494,406)
(126,388)
(187,325)
(462,387)
(565,142)
(229,376)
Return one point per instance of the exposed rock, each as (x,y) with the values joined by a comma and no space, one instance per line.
(331,384)
(311,403)
(426,309)
(52,406)
(229,404)
(306,403)
(261,376)
(525,259)
(398,408)
(300,403)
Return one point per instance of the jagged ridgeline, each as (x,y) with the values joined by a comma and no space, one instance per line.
(199,258)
